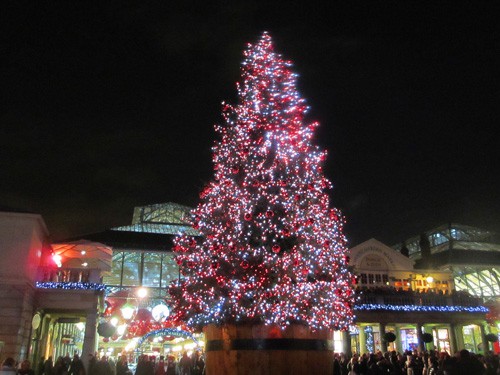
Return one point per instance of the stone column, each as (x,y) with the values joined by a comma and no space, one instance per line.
(346,343)
(421,344)
(89,341)
(398,342)
(486,344)
(362,340)
(383,343)
(453,338)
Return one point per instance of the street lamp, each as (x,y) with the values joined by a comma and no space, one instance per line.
(142,292)
(127,311)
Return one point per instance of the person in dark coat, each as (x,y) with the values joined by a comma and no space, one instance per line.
(171,365)
(467,364)
(48,366)
(160,366)
(59,367)
(198,364)
(76,366)
(122,366)
(336,365)
(354,365)
(343,362)
(185,364)
(144,366)
(40,366)
(92,364)
(25,368)
(8,366)
(102,367)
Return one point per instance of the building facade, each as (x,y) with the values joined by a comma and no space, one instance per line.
(107,292)
(395,296)
(23,240)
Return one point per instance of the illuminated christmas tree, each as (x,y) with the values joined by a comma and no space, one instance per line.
(270,249)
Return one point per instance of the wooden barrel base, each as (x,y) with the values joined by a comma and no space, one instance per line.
(259,349)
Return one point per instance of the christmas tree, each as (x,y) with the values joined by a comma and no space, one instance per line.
(270,249)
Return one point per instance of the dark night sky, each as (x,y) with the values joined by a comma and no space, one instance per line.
(107,105)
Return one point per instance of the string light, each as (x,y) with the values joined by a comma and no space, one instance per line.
(418,308)
(70,285)
(369,339)
(271,249)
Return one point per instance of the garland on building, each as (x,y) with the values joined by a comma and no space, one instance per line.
(271,250)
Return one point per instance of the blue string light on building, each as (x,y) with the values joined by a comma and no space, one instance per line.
(70,285)
(418,308)
(370,347)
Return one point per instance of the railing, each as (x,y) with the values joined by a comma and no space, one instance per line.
(400,298)
(67,275)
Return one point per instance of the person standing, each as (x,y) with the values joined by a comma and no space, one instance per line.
(40,366)
(102,367)
(185,364)
(25,368)
(144,366)
(171,365)
(160,366)
(60,367)
(76,366)
(92,363)
(48,366)
(122,366)
(8,367)
(343,362)
(198,364)
(353,366)
(66,363)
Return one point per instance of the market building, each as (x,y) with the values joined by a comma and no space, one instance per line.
(415,304)
(107,292)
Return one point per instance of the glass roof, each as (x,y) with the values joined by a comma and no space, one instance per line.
(481,283)
(463,236)
(163,218)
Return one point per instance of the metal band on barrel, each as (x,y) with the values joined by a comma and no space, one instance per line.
(269,344)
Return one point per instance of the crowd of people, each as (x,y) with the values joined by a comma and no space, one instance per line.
(389,363)
(417,363)
(185,365)
(62,366)
(103,365)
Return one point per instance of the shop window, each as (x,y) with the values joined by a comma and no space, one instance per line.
(472,338)
(338,344)
(409,340)
(370,278)
(378,278)
(385,279)
(363,278)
